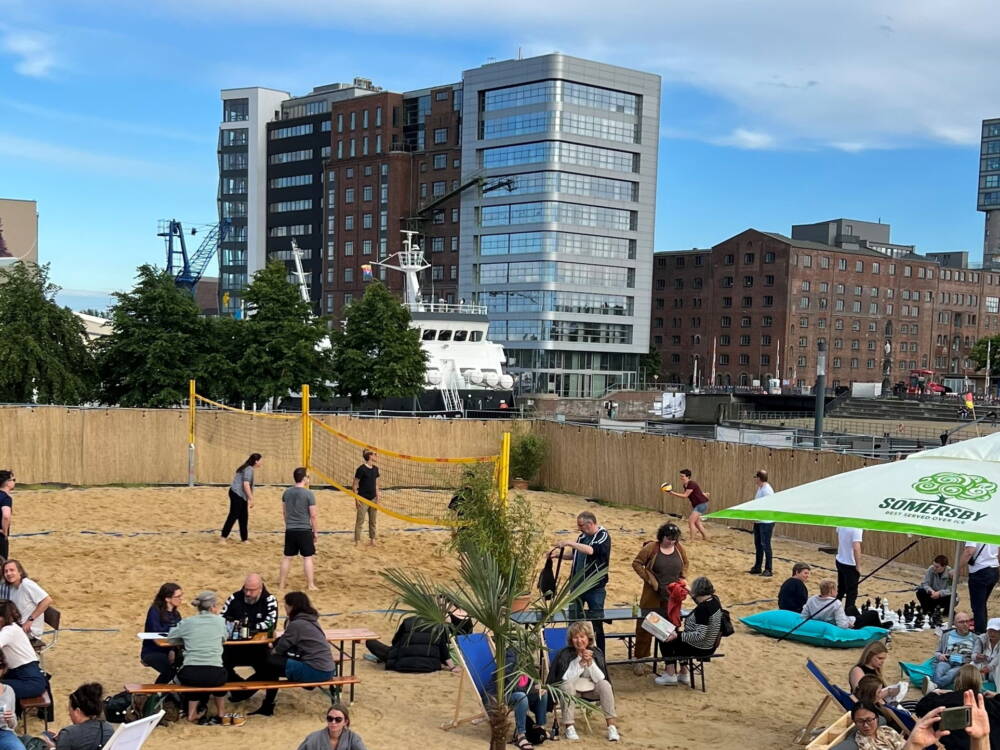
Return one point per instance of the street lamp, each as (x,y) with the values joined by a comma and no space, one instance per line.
(820,394)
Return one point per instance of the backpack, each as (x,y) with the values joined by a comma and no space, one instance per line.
(726,628)
(547,579)
(124,707)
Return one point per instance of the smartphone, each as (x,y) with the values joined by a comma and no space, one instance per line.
(955,718)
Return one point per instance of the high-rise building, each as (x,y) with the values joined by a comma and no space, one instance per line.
(989,192)
(563,260)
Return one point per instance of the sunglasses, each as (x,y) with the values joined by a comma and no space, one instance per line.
(334,719)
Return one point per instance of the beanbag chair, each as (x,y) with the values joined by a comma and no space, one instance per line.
(777,622)
(917,672)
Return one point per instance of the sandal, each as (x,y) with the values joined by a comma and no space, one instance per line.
(523,743)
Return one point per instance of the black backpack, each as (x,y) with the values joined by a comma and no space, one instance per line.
(547,579)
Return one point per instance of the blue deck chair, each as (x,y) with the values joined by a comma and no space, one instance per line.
(556,640)
(480,667)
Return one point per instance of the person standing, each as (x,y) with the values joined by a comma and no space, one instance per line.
(366,485)
(658,564)
(6,510)
(590,553)
(981,562)
(241,497)
(699,504)
(762,530)
(298,505)
(848,566)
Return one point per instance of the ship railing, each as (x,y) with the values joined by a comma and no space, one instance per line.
(444,307)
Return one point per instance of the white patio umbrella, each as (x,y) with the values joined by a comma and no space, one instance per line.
(951,492)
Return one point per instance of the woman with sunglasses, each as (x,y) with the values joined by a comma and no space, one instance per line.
(338,734)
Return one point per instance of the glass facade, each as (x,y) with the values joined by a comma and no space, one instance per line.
(556,212)
(556,242)
(605,188)
(559,152)
(548,270)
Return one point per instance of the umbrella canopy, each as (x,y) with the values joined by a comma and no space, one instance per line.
(951,492)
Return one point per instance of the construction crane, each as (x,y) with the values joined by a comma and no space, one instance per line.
(484,184)
(303,287)
(188,270)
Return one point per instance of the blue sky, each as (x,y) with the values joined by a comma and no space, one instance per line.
(774,112)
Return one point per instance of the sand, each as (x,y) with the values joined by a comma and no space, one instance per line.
(101,553)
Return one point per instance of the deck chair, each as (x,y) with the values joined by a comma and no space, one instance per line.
(479,667)
(133,735)
(833,735)
(555,640)
(833,693)
(52,618)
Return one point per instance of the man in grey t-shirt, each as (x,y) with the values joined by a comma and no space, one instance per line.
(298,504)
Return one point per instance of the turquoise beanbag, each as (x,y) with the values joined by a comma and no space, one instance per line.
(917,672)
(777,622)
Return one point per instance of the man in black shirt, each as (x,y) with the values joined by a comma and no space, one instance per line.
(366,485)
(793,593)
(590,552)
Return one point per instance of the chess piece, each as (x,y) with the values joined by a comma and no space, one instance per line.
(868,604)
(899,612)
(878,602)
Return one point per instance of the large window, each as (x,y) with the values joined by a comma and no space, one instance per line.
(567,91)
(561,152)
(559,330)
(556,242)
(234,185)
(550,301)
(234,137)
(291,132)
(292,230)
(564,122)
(235,110)
(283,206)
(234,161)
(556,211)
(545,270)
(290,156)
(232,209)
(572,184)
(292,181)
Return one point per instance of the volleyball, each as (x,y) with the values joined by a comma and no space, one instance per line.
(666,487)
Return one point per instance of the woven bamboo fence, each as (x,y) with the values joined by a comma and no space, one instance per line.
(627,469)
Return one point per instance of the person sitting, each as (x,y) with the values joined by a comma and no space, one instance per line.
(793,593)
(825,607)
(23,673)
(337,735)
(700,636)
(304,637)
(161,617)
(954,650)
(579,670)
(256,608)
(202,636)
(870,690)
(8,718)
(29,598)
(524,695)
(88,730)
(968,679)
(869,735)
(935,590)
(869,663)
(416,649)
(986,652)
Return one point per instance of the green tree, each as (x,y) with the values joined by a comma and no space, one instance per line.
(156,344)
(377,355)
(42,345)
(650,363)
(281,340)
(979,354)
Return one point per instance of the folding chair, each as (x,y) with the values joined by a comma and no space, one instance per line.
(833,735)
(133,735)
(478,666)
(52,618)
(843,698)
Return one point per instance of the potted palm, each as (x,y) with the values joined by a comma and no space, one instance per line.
(527,454)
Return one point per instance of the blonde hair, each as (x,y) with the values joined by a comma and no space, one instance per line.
(827,587)
(875,648)
(578,627)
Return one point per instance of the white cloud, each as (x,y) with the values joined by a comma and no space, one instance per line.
(67,157)
(869,73)
(35,53)
(748,139)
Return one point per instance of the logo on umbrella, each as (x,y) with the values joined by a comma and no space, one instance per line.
(948,485)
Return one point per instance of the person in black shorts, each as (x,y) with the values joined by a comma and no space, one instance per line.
(366,485)
(298,504)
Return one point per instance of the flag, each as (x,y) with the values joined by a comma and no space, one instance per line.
(366,272)
(969,403)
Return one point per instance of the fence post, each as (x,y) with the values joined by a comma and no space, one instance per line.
(306,428)
(191,417)
(503,478)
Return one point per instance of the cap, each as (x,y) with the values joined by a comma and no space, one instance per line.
(993,624)
(205,600)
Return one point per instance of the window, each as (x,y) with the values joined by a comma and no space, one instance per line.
(767,321)
(842,264)
(349,195)
(805,261)
(234,137)
(769,257)
(291,132)
(729,260)
(744,359)
(727,301)
(744,341)
(748,281)
(765,359)
(366,247)
(803,322)
(366,221)
(765,340)
(748,259)
(745,321)
(235,110)
(907,270)
(367,193)
(803,303)
(349,275)
(439,188)
(348,248)
(440,136)
(824,262)
(282,206)
(725,321)
(769,280)
(748,302)
(805,286)
(836,361)
(440,161)
(349,221)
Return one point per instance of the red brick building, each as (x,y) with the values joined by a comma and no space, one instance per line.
(756,305)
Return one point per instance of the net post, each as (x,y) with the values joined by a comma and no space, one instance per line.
(503,478)
(191,417)
(306,428)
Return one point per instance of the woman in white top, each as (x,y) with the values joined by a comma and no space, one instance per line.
(30,599)
(23,673)
(8,721)
(580,670)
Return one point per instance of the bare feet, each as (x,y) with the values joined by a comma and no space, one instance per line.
(313,588)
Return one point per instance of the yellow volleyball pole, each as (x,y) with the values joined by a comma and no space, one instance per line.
(306,428)
(191,417)
(504,473)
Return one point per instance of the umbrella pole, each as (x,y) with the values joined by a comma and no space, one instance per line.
(864,578)
(955,571)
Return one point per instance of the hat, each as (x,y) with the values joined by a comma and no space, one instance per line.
(205,600)
(993,624)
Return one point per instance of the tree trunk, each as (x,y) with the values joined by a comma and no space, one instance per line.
(499,729)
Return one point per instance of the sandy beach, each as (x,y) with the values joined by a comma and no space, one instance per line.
(101,553)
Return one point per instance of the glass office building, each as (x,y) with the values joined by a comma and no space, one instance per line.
(558,240)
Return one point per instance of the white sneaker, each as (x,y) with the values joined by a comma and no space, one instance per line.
(570,733)
(684,678)
(613,733)
(929,685)
(666,679)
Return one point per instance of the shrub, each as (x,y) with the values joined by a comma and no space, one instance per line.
(527,454)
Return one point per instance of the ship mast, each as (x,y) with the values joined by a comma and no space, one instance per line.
(410,260)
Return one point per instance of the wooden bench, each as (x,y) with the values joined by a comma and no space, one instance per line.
(39,704)
(145,689)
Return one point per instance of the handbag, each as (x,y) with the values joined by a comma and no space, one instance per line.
(547,579)
(726,628)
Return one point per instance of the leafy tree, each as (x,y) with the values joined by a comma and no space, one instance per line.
(281,340)
(376,355)
(979,354)
(156,344)
(650,363)
(42,345)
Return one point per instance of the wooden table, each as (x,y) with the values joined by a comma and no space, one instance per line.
(337,636)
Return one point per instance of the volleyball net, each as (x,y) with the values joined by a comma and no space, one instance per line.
(412,488)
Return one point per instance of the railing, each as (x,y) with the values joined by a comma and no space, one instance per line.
(444,307)
(847,426)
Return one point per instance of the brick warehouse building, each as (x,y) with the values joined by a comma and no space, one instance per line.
(763,301)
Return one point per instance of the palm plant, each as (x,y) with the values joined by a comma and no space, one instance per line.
(486,590)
